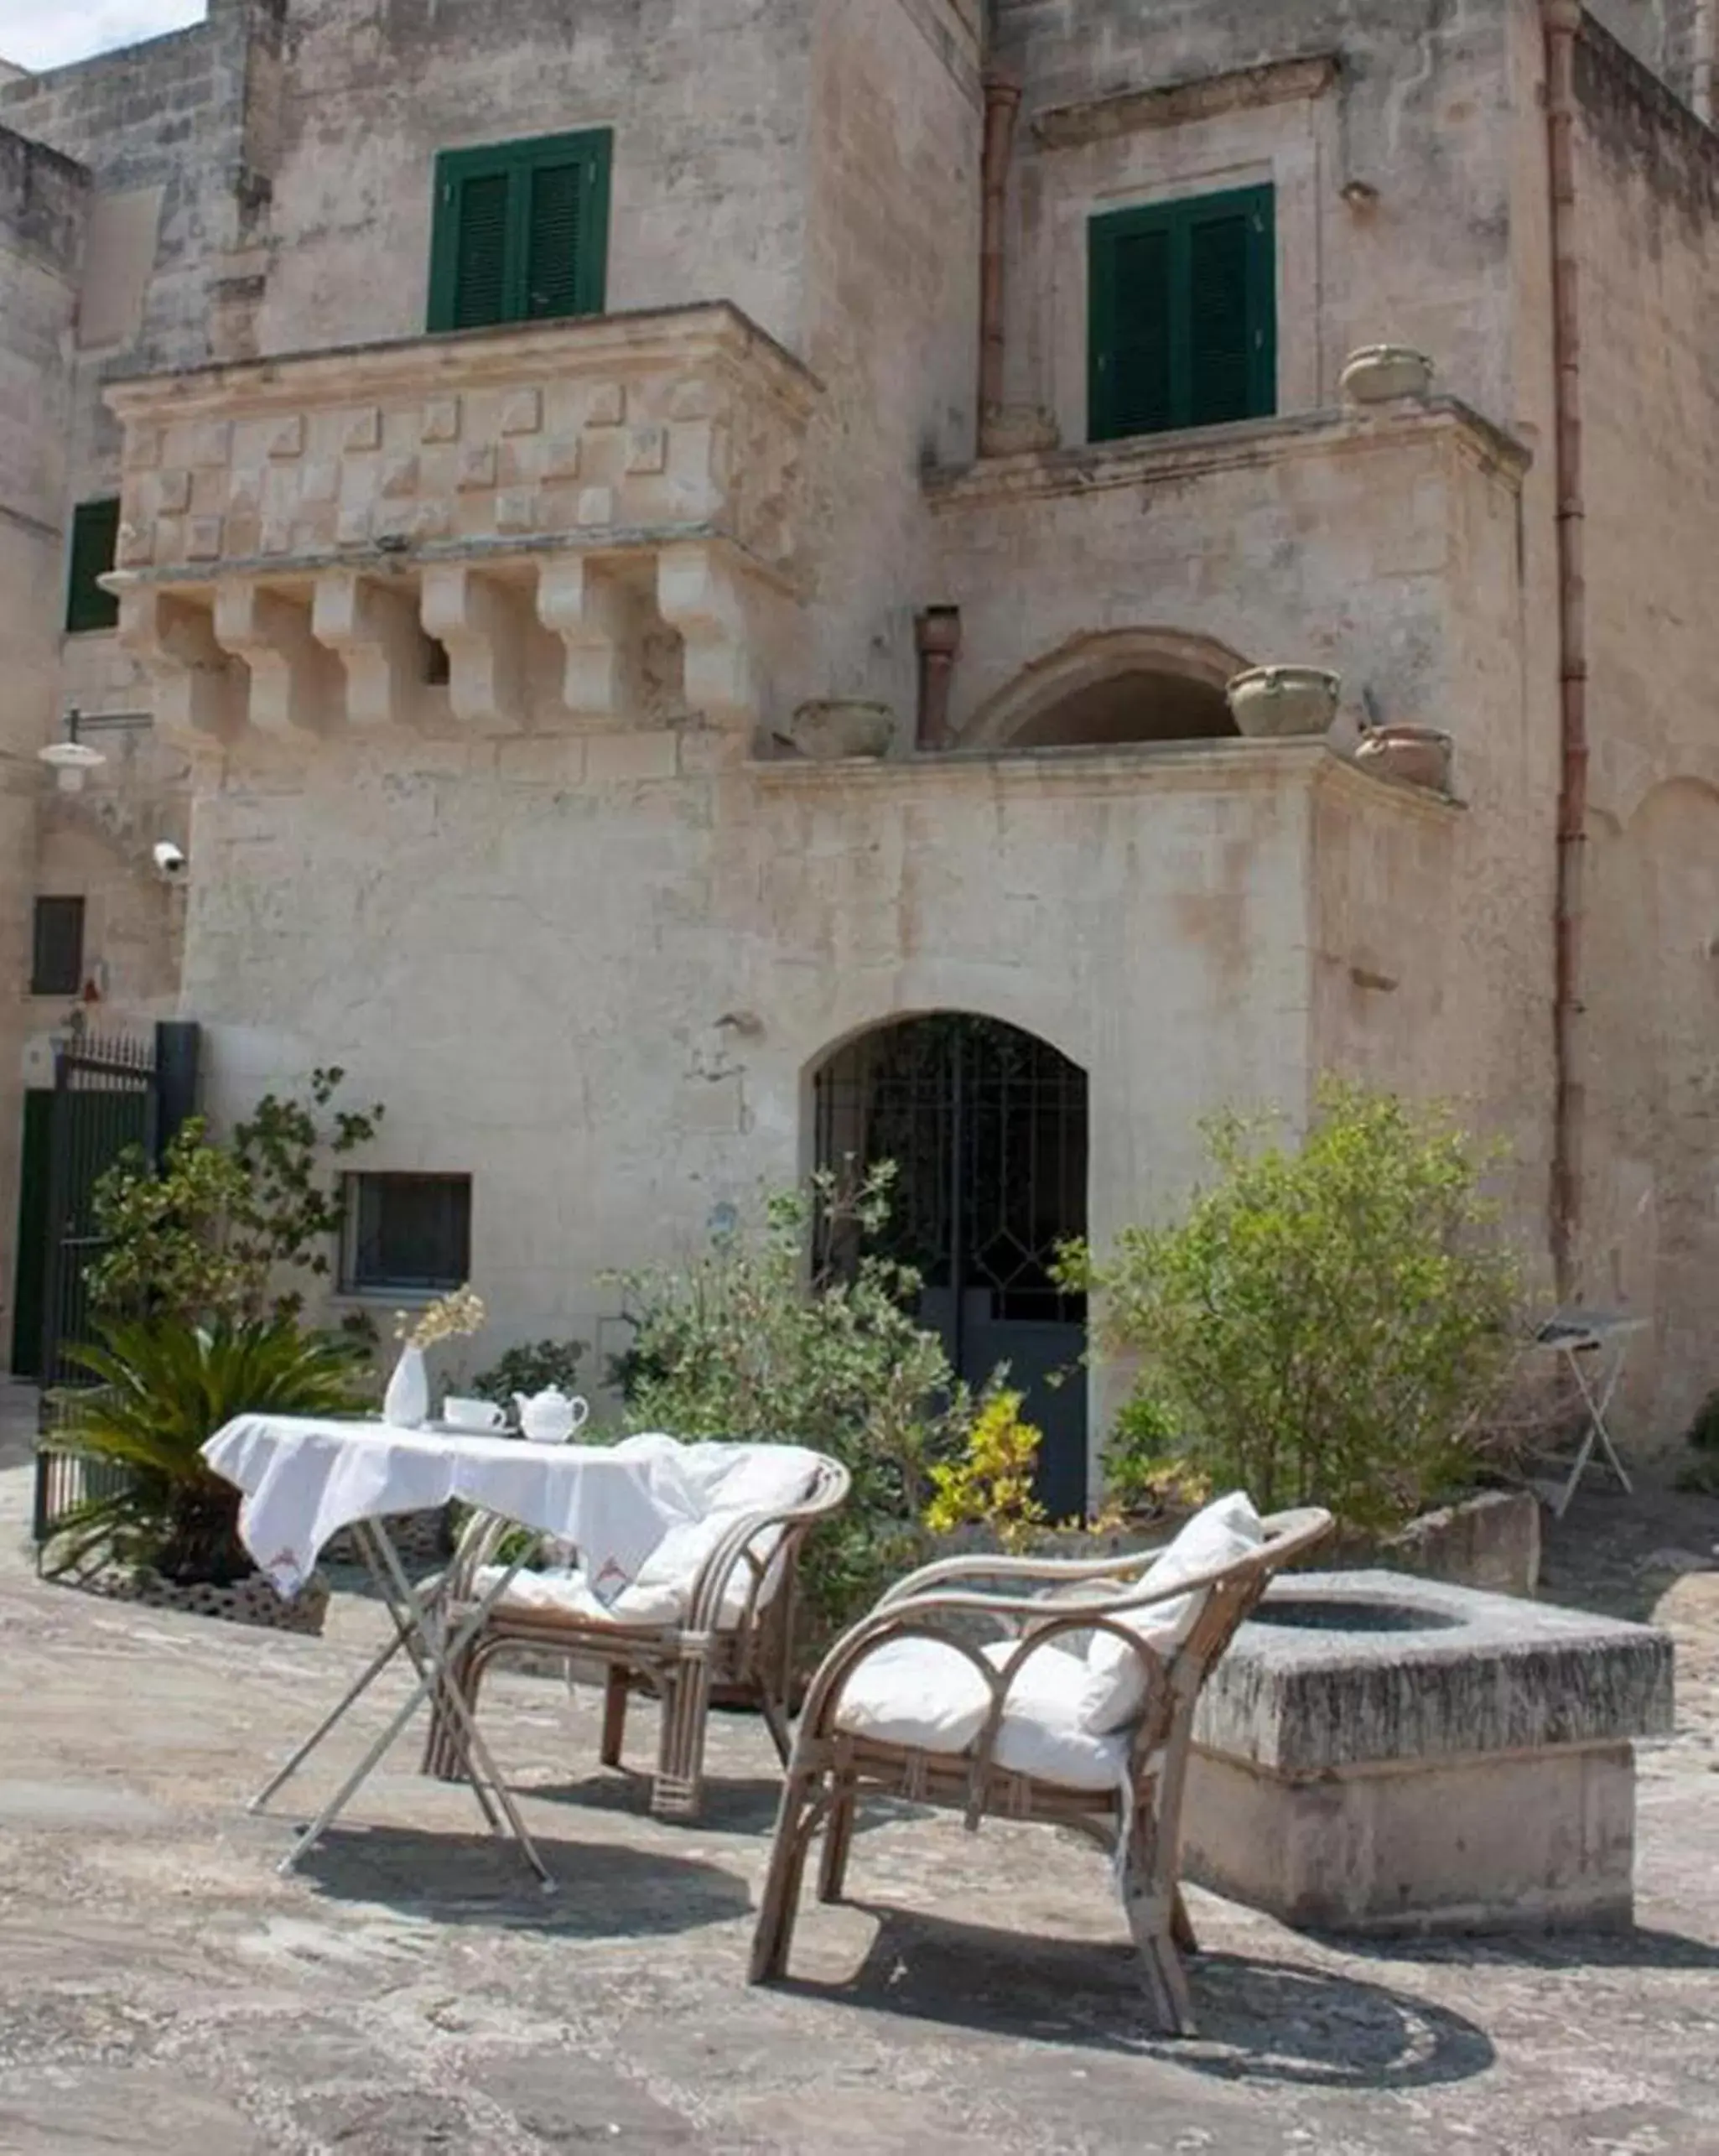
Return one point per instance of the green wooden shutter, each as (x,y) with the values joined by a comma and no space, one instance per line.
(480,297)
(1183,314)
(522,232)
(57,952)
(554,235)
(1138,350)
(95,540)
(1219,346)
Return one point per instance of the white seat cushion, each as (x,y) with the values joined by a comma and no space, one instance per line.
(928,1697)
(569,1594)
(1227,1529)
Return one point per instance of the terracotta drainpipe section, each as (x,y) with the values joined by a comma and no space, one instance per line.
(1002,103)
(1702,69)
(1561,20)
(937,633)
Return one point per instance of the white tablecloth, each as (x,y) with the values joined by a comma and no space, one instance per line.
(303,1480)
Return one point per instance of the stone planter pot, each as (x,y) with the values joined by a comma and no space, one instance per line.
(1379,374)
(250,1602)
(1283,702)
(826,732)
(1421,755)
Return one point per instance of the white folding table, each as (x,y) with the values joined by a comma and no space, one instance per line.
(303,1480)
(1602,1337)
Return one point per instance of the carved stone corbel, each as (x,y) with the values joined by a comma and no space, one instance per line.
(485,626)
(587,609)
(718,611)
(199,691)
(372,628)
(294,686)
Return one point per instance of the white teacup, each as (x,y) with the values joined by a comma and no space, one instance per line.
(474,1415)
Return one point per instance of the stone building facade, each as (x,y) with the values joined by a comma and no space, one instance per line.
(471,576)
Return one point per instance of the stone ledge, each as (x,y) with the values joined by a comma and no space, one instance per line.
(1478,1674)
(1187,454)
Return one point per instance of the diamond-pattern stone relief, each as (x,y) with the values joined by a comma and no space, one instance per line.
(363,430)
(477,469)
(441,420)
(648,449)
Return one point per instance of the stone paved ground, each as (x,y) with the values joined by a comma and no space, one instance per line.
(160,1986)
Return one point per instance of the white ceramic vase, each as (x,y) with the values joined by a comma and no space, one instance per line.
(406,1401)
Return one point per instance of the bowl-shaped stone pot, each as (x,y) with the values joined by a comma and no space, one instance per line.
(1378,373)
(1420,754)
(827,731)
(1278,703)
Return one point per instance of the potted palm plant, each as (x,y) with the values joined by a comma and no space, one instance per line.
(169,1533)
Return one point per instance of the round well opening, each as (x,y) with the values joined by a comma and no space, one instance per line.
(1331,1613)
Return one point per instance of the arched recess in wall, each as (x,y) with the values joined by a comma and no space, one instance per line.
(1111,688)
(1651,998)
(986,1125)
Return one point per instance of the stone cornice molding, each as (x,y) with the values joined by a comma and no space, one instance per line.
(1277,82)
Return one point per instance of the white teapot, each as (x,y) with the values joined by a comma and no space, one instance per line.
(550,1418)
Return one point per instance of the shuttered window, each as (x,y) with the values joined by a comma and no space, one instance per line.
(522,232)
(407,1233)
(57,956)
(95,539)
(1183,314)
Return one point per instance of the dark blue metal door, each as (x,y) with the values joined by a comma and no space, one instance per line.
(987,1126)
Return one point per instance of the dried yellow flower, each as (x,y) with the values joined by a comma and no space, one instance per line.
(448,1317)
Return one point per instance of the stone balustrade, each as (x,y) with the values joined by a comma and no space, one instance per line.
(498,530)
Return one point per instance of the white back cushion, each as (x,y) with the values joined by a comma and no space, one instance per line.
(1225,1530)
(722,1484)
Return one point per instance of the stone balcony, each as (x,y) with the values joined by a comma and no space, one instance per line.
(497,531)
(1382,544)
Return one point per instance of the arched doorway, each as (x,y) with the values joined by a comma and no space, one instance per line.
(1136,706)
(987,1125)
(1111,688)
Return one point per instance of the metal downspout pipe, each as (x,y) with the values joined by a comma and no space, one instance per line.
(1561,24)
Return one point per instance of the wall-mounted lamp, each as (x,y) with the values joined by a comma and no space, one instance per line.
(72,763)
(1360,193)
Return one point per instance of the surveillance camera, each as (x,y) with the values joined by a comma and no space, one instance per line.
(170,861)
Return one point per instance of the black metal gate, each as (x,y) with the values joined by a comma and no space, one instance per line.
(111,1092)
(987,1125)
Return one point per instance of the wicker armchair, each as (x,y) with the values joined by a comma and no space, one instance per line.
(909,1704)
(713,1624)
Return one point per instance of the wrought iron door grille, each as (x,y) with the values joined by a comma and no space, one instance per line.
(987,1127)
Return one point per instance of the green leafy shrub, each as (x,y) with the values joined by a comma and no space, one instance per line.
(1145,1471)
(742,1343)
(991,1482)
(1326,1322)
(163,1390)
(531,1369)
(206,1237)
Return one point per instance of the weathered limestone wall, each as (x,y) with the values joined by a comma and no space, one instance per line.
(606,1000)
(43,203)
(892,325)
(708,106)
(1647,216)
(162,197)
(1419,109)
